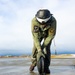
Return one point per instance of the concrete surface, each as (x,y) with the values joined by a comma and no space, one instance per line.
(20,66)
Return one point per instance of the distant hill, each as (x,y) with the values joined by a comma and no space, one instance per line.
(63,56)
(27,52)
(13,52)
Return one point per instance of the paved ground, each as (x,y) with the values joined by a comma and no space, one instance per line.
(20,66)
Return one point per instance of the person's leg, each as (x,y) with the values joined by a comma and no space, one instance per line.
(33,58)
(34,55)
(47,58)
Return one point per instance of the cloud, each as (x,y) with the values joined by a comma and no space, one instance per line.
(16,16)
(15,32)
(65,26)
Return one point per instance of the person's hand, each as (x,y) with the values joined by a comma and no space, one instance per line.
(39,54)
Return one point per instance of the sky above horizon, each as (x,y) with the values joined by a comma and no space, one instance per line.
(15,23)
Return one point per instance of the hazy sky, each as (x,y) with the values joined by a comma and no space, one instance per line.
(15,23)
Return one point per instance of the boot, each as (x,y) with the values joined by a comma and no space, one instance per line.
(32,68)
(47,71)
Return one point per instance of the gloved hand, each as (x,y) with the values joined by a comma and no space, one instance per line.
(39,54)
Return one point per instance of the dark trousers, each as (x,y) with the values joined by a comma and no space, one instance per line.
(47,55)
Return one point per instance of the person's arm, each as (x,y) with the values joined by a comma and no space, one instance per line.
(36,41)
(51,34)
(35,31)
